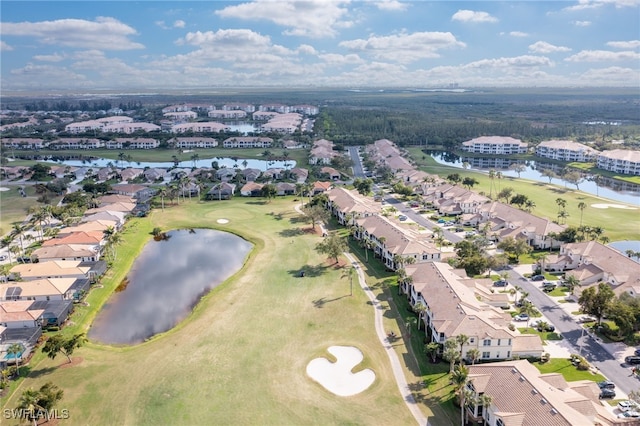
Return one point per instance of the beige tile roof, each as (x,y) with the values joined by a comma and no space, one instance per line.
(348,201)
(15,311)
(520,396)
(397,240)
(90,237)
(64,251)
(53,268)
(520,218)
(113,207)
(41,287)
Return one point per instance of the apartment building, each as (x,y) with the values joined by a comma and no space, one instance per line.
(322,152)
(200,127)
(347,206)
(97,124)
(565,150)
(247,142)
(193,142)
(495,145)
(227,114)
(620,161)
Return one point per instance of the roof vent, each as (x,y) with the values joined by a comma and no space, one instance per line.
(554,411)
(514,370)
(543,401)
(522,378)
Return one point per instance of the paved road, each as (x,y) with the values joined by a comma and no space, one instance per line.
(358,169)
(576,335)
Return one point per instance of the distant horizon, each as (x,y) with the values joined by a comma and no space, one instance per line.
(189,45)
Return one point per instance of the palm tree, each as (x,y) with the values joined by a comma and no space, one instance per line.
(6,241)
(562,203)
(492,176)
(529,205)
(473,355)
(462,339)
(16,350)
(431,349)
(571,282)
(162,193)
(581,205)
(451,353)
(459,377)
(18,231)
(409,323)
(194,159)
(562,216)
(29,404)
(421,310)
(484,401)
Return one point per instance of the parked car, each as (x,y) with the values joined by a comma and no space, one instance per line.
(542,327)
(500,283)
(537,278)
(627,405)
(3,257)
(548,287)
(606,384)
(637,352)
(522,302)
(521,317)
(607,393)
(586,318)
(402,218)
(629,414)
(633,359)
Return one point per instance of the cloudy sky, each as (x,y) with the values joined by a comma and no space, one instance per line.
(117,45)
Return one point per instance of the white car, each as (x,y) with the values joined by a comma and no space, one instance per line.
(629,414)
(627,405)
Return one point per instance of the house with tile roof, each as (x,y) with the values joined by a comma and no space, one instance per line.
(251,189)
(523,396)
(322,152)
(16,314)
(90,238)
(53,269)
(592,262)
(347,205)
(565,150)
(620,161)
(453,308)
(393,243)
(41,289)
(81,252)
(320,187)
(221,191)
(139,192)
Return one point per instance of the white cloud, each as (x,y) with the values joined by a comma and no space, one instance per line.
(4,47)
(311,18)
(179,24)
(518,34)
(614,76)
(56,57)
(581,23)
(544,47)
(603,56)
(525,61)
(631,44)
(404,48)
(334,59)
(473,16)
(306,49)
(103,33)
(391,5)
(594,4)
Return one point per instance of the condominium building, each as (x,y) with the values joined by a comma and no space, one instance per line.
(564,150)
(620,161)
(495,145)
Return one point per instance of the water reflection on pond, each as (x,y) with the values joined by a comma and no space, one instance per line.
(166,281)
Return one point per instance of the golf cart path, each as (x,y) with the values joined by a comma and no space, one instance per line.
(396,366)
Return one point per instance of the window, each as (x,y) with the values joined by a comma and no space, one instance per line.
(486,342)
(471,340)
(498,342)
(499,422)
(509,342)
(486,355)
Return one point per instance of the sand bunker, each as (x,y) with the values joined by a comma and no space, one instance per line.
(613,206)
(222,221)
(3,188)
(337,377)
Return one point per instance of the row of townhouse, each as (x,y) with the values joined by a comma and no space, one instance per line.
(393,244)
(453,308)
(247,142)
(283,123)
(497,220)
(592,262)
(385,153)
(322,152)
(42,293)
(245,107)
(520,394)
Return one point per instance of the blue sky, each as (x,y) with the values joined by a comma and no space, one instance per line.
(154,45)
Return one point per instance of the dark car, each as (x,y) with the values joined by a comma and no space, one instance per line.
(500,283)
(637,352)
(607,384)
(548,327)
(537,278)
(607,393)
(548,287)
(633,359)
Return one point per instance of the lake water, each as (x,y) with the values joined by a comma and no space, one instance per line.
(623,246)
(623,192)
(202,162)
(165,283)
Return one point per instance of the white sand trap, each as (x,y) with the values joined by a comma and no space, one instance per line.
(3,188)
(222,221)
(337,377)
(612,206)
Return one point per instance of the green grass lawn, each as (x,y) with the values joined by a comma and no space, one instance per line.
(615,222)
(568,370)
(14,207)
(544,335)
(559,292)
(240,356)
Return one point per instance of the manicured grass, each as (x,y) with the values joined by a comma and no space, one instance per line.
(568,370)
(240,356)
(544,335)
(559,292)
(615,222)
(14,207)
